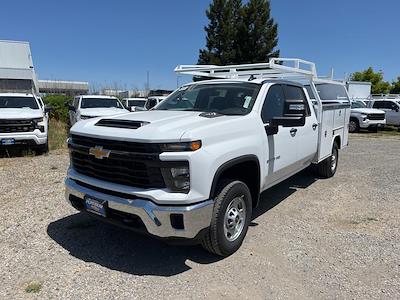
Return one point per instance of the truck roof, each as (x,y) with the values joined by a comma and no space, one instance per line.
(98,96)
(16,95)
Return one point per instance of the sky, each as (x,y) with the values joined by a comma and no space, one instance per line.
(115,43)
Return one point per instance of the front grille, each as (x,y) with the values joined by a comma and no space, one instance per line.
(376,116)
(133,164)
(11,126)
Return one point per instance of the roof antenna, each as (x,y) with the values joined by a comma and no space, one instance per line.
(252,77)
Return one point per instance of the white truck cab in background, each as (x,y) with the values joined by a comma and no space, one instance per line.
(391,107)
(135,104)
(153,101)
(91,106)
(23,122)
(193,168)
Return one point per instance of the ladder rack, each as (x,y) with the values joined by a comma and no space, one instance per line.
(275,68)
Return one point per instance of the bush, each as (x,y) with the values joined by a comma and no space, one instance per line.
(59,104)
(58,134)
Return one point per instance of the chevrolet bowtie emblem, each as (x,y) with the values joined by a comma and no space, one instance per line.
(99,152)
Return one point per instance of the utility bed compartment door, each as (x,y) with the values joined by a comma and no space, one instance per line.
(326,134)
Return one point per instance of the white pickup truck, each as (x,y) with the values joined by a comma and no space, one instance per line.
(91,106)
(23,122)
(194,167)
(364,117)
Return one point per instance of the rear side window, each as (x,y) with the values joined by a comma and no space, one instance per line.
(273,104)
(296,93)
(385,105)
(331,92)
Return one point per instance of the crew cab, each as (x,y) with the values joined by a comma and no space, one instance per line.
(91,106)
(23,122)
(391,107)
(367,118)
(193,168)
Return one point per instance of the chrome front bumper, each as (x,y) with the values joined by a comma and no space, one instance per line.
(156,218)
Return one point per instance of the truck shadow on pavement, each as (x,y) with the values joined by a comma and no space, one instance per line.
(91,240)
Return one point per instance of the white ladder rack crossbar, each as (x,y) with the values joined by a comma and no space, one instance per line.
(272,69)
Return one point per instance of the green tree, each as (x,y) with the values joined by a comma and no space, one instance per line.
(395,87)
(239,33)
(260,36)
(379,86)
(59,104)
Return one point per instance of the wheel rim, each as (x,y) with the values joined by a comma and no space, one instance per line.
(352,126)
(333,161)
(235,217)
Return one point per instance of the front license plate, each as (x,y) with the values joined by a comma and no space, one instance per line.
(95,206)
(6,142)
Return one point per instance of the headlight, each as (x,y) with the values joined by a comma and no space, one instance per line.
(178,147)
(39,124)
(177,179)
(364,116)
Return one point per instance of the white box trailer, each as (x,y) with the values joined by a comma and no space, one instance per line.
(17,73)
(358,90)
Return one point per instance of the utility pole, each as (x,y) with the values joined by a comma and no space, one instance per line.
(148,83)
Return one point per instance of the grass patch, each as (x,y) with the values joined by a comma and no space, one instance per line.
(34,287)
(58,134)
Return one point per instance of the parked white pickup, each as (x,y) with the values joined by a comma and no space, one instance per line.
(194,167)
(23,121)
(91,106)
(363,117)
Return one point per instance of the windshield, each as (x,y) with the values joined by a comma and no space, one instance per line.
(100,102)
(223,98)
(139,103)
(357,104)
(18,102)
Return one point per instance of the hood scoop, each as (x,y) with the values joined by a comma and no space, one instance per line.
(127,124)
(210,115)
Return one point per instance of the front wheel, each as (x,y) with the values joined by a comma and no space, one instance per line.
(230,220)
(327,168)
(354,126)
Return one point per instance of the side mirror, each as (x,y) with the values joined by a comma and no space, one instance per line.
(294,114)
(132,108)
(71,107)
(48,109)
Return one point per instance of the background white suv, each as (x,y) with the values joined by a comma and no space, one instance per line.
(91,106)
(391,108)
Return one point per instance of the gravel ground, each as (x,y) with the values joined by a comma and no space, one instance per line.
(335,238)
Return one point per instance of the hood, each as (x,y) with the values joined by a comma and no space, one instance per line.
(158,126)
(20,113)
(101,111)
(367,111)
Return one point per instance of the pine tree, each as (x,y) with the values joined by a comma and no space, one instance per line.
(239,33)
(261,33)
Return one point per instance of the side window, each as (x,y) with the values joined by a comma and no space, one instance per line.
(273,104)
(382,104)
(296,93)
(393,106)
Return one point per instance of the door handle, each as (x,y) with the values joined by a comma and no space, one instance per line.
(314,126)
(293,131)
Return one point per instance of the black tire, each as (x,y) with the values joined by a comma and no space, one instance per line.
(354,126)
(42,149)
(215,239)
(325,168)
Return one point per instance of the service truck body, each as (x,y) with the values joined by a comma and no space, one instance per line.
(194,166)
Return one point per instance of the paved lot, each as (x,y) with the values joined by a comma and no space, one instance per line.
(335,238)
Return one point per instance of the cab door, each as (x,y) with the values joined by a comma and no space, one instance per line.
(307,135)
(280,148)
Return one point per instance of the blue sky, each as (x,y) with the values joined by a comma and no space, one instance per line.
(114,43)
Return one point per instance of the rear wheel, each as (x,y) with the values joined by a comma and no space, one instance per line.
(327,168)
(373,128)
(354,126)
(230,220)
(42,149)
